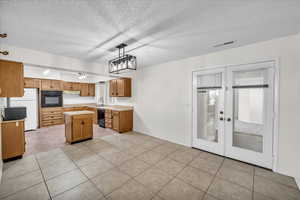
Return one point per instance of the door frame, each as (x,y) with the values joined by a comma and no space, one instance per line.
(276,114)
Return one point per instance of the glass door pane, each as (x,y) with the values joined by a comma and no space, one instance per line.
(248,124)
(208,111)
(209,87)
(249,111)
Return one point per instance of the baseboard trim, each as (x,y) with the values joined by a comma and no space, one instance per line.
(298,182)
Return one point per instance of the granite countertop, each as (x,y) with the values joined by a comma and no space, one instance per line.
(82,112)
(110,107)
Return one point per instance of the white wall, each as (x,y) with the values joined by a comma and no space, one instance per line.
(33,57)
(162,95)
(2,104)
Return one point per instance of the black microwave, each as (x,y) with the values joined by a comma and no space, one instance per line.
(52,98)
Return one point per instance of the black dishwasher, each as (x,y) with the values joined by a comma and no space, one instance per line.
(101,117)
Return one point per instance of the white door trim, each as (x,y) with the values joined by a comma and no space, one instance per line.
(276,101)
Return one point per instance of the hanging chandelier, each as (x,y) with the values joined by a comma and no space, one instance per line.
(123,63)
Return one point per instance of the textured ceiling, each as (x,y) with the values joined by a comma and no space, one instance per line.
(156,30)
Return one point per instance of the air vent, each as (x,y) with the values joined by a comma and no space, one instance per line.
(225,44)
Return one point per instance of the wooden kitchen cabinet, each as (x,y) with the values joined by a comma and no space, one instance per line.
(84,89)
(113,88)
(91,89)
(108,118)
(11,79)
(13,139)
(122,121)
(75,86)
(95,115)
(48,84)
(71,86)
(32,83)
(51,116)
(87,89)
(120,87)
(78,126)
(68,86)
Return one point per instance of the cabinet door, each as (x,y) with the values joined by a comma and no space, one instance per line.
(67,85)
(91,89)
(13,139)
(75,86)
(28,82)
(56,84)
(113,88)
(116,120)
(46,84)
(11,79)
(77,128)
(84,89)
(87,127)
(120,88)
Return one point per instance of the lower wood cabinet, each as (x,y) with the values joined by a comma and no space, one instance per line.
(13,139)
(108,118)
(122,121)
(78,127)
(95,115)
(51,116)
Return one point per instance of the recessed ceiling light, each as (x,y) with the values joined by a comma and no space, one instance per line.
(46,72)
(225,43)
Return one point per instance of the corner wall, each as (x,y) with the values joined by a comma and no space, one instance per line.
(163,95)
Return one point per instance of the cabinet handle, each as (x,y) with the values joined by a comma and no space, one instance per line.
(228,119)
(82,123)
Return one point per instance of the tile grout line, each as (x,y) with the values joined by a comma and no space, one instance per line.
(173,177)
(43,177)
(253,183)
(214,178)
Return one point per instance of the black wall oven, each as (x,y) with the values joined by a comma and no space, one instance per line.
(52,99)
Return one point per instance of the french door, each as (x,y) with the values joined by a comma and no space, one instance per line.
(233,112)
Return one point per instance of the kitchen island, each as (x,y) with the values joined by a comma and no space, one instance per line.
(78,125)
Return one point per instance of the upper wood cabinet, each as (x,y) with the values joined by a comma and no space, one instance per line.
(75,86)
(120,87)
(48,84)
(32,83)
(84,89)
(91,89)
(72,86)
(68,85)
(11,79)
(87,89)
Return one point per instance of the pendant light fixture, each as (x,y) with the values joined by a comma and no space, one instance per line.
(123,63)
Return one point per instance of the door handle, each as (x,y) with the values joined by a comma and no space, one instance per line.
(228,119)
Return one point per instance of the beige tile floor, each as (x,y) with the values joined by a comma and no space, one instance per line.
(133,166)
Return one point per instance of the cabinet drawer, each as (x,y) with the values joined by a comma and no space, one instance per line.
(54,117)
(108,116)
(108,120)
(52,122)
(56,109)
(115,113)
(108,125)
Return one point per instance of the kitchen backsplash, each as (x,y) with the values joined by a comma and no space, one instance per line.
(76,99)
